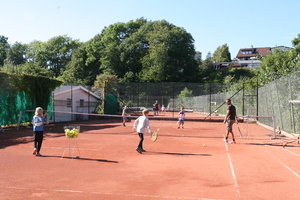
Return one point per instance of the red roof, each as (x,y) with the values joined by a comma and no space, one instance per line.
(252,52)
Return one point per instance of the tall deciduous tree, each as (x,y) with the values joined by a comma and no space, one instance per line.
(222,54)
(276,64)
(16,54)
(56,53)
(148,52)
(4,46)
(78,70)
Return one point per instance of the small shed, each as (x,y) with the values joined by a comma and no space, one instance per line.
(73,99)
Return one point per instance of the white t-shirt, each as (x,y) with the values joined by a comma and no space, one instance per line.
(141,123)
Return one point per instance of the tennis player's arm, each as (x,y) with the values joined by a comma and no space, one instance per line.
(46,118)
(135,123)
(227,114)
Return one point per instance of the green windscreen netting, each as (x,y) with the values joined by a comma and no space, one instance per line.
(12,102)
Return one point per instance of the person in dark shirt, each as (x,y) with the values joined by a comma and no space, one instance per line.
(229,119)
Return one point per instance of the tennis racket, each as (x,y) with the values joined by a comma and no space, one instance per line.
(239,130)
(153,136)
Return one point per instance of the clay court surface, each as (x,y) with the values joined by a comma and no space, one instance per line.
(176,166)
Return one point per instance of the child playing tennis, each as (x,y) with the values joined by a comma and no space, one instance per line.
(163,109)
(38,130)
(181,118)
(124,114)
(140,124)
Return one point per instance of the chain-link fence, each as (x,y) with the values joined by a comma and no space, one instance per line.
(280,99)
(173,96)
(275,99)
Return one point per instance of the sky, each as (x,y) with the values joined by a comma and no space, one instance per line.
(212,23)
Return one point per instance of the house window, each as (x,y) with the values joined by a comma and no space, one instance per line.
(81,102)
(69,102)
(247,52)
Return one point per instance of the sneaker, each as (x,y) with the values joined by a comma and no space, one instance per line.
(38,154)
(124,125)
(34,152)
(143,150)
(224,139)
(178,127)
(138,150)
(232,142)
(182,127)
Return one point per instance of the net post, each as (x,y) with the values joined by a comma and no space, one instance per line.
(19,120)
(274,127)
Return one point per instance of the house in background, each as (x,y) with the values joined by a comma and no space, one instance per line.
(73,99)
(249,57)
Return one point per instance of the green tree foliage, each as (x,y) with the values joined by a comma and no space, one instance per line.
(16,54)
(275,65)
(78,70)
(4,46)
(296,44)
(107,82)
(148,52)
(222,54)
(184,93)
(56,53)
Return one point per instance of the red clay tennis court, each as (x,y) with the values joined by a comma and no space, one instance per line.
(176,166)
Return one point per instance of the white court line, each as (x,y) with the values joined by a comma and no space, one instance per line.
(232,171)
(297,175)
(107,193)
(268,145)
(291,152)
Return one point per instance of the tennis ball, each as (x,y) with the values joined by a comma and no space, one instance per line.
(204,145)
(182,135)
(158,129)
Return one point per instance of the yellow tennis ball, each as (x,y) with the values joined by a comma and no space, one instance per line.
(158,129)
(182,135)
(204,145)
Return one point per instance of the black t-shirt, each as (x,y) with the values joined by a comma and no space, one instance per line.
(232,113)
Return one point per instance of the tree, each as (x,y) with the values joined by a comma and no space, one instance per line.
(296,44)
(4,46)
(56,53)
(171,55)
(79,70)
(276,64)
(144,51)
(222,54)
(16,54)
(184,93)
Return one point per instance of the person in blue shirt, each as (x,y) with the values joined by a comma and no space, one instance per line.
(38,121)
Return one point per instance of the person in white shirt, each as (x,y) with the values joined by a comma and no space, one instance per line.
(140,124)
(181,118)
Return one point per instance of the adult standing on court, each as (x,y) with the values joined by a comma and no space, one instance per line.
(38,130)
(230,118)
(155,107)
(140,124)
